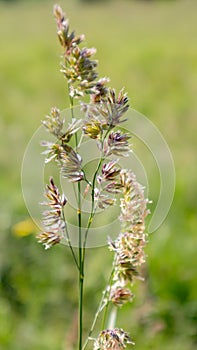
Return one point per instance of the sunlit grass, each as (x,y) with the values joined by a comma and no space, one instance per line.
(150,48)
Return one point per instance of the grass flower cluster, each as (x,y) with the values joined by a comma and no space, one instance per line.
(108,185)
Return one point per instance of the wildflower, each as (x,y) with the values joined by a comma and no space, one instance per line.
(112,339)
(52,219)
(24,228)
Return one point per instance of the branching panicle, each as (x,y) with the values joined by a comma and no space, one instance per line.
(102,117)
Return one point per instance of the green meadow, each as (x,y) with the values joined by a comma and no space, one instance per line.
(150,48)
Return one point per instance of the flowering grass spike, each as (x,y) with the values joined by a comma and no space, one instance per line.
(109,184)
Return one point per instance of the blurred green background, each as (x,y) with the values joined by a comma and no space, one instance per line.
(150,48)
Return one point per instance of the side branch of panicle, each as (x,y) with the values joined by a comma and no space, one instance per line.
(78,66)
(53,221)
(129,246)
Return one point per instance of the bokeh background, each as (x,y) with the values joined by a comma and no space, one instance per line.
(150,48)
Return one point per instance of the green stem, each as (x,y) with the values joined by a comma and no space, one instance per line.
(112,318)
(80,251)
(69,241)
(107,303)
(99,310)
(81,270)
(93,188)
(72,115)
(103,304)
(105,315)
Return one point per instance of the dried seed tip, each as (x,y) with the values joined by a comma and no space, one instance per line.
(88,52)
(53,195)
(113,187)
(69,161)
(109,171)
(53,221)
(120,295)
(118,106)
(117,144)
(53,123)
(112,339)
(78,67)
(48,239)
(53,151)
(70,164)
(71,130)
(58,13)
(111,108)
(103,200)
(101,90)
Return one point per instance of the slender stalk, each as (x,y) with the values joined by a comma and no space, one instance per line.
(105,315)
(69,241)
(107,302)
(93,210)
(92,194)
(82,245)
(112,318)
(99,310)
(103,304)
(80,250)
(81,270)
